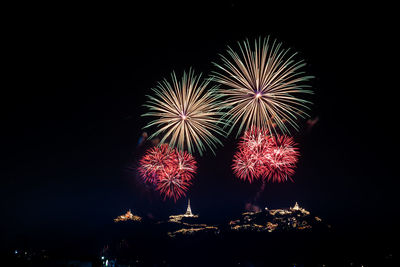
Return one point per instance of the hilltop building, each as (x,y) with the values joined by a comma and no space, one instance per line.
(128,216)
(188,214)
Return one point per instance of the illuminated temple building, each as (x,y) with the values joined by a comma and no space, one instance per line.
(128,216)
(297,208)
(266,220)
(276,219)
(188,224)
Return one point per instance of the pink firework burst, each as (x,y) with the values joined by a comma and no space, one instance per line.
(171,171)
(261,155)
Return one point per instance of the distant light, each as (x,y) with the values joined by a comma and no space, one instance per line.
(106,262)
(102,257)
(16,251)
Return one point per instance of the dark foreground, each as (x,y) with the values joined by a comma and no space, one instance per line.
(141,245)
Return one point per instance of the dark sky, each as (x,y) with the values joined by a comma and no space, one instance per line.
(78,77)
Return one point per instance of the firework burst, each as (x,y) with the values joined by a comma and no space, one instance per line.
(185,164)
(172,184)
(188,113)
(261,85)
(154,161)
(246,165)
(281,158)
(170,170)
(249,161)
(264,156)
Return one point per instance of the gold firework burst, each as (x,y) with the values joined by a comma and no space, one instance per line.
(188,113)
(261,85)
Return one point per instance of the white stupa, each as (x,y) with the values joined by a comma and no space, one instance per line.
(188,211)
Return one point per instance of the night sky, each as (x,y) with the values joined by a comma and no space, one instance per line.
(78,79)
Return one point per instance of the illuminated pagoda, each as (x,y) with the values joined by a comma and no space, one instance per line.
(188,214)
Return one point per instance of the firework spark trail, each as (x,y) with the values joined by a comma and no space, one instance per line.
(187,113)
(261,85)
(262,188)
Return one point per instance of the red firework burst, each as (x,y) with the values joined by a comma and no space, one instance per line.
(185,164)
(154,161)
(281,158)
(171,183)
(249,161)
(171,171)
(245,165)
(263,156)
(255,140)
